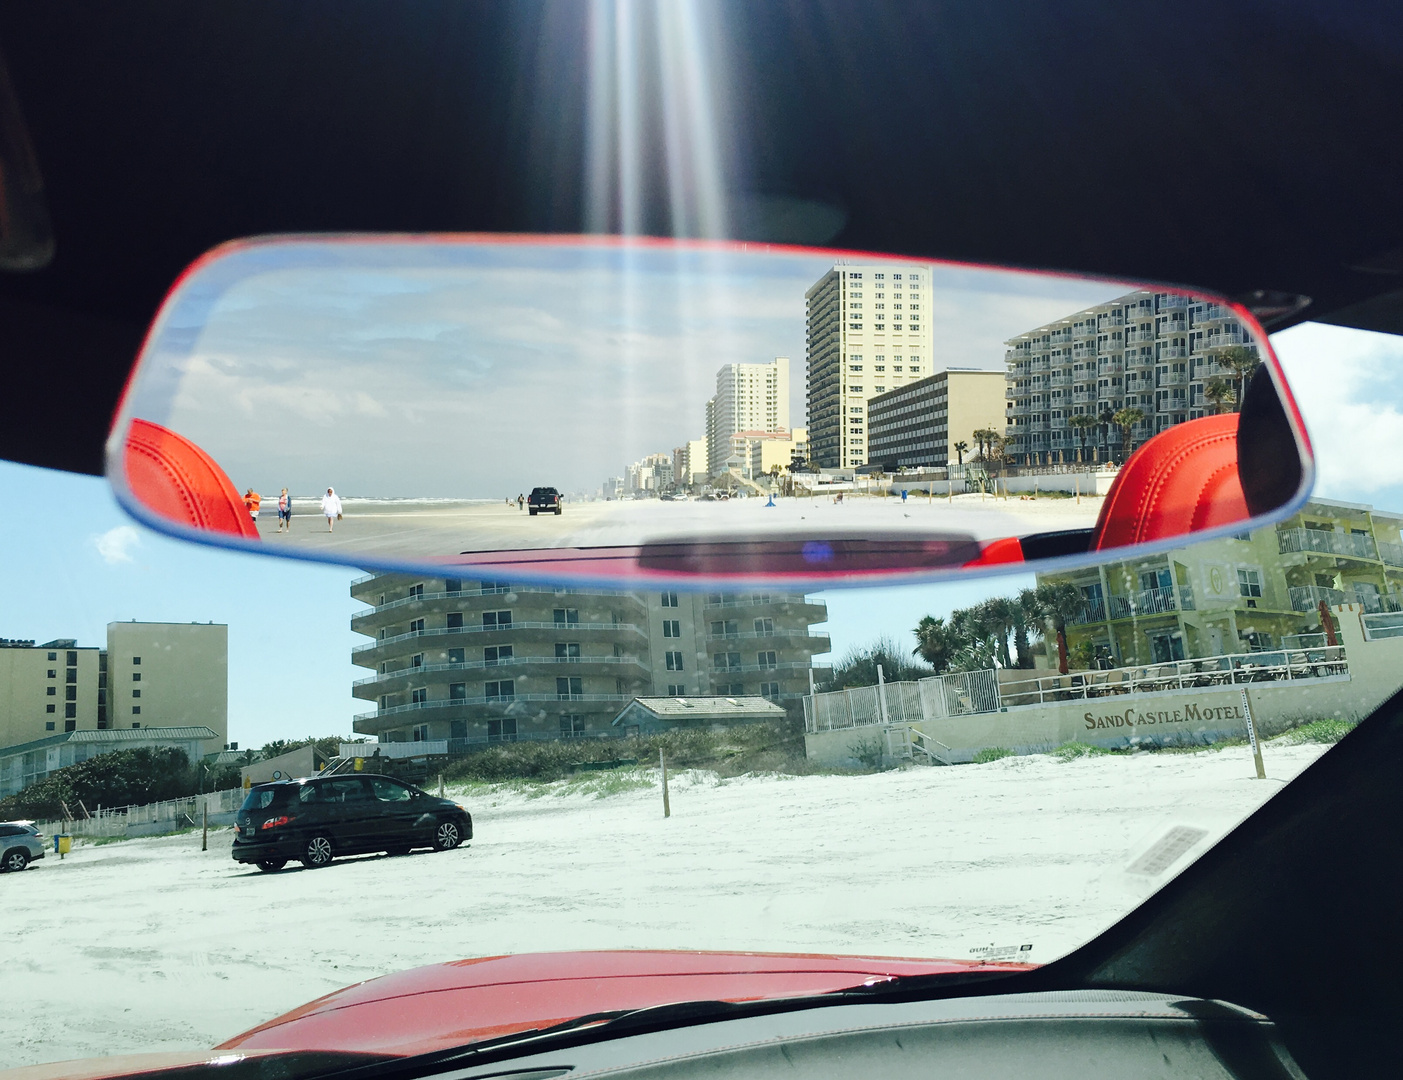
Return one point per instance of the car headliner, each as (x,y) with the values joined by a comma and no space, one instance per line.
(1260,152)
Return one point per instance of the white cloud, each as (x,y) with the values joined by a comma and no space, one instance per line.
(1349,386)
(116,544)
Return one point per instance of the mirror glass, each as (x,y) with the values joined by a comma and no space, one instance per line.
(599,409)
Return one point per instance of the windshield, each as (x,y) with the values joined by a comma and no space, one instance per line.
(991,771)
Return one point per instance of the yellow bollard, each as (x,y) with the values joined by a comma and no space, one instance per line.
(63,844)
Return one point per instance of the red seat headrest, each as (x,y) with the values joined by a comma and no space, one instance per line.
(172,477)
(1182,481)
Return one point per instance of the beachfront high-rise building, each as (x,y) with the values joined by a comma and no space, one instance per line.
(482,661)
(922,423)
(869,332)
(1151,351)
(690,463)
(750,399)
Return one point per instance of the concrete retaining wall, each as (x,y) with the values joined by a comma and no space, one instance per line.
(1169,717)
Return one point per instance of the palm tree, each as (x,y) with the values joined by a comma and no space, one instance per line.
(1126,419)
(935,642)
(1081,423)
(1058,602)
(1221,393)
(984,436)
(1106,419)
(1029,618)
(961,448)
(1243,363)
(999,615)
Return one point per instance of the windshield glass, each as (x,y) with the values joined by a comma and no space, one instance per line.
(989,771)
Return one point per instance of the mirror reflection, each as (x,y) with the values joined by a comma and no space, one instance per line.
(611,409)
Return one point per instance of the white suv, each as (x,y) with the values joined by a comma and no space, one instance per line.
(20,844)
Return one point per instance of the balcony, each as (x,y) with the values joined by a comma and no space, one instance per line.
(761,600)
(1110,366)
(1091,611)
(1391,553)
(1226,338)
(1173,352)
(1083,397)
(1159,601)
(1309,597)
(1085,330)
(478,702)
(1061,379)
(1350,545)
(513,628)
(1144,334)
(1173,301)
(516,663)
(1084,352)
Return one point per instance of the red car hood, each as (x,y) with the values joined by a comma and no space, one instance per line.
(447,1005)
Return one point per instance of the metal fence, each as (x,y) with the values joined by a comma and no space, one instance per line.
(174,813)
(958,694)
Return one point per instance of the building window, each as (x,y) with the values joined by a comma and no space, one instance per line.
(455,620)
(70,725)
(52,656)
(52,691)
(136,676)
(502,690)
(500,619)
(136,661)
(416,591)
(72,657)
(765,627)
(564,616)
(674,661)
(70,693)
(495,654)
(503,730)
(419,695)
(571,724)
(50,708)
(669,599)
(769,690)
(567,650)
(456,656)
(676,689)
(71,675)
(417,626)
(725,661)
(452,585)
(417,660)
(672,628)
(1249,582)
(457,691)
(138,723)
(49,726)
(420,732)
(569,687)
(136,693)
(53,674)
(766,660)
(136,710)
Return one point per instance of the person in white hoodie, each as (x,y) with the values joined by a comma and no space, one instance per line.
(331,507)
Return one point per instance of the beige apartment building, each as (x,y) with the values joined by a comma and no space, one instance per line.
(150,675)
(751,399)
(690,463)
(1147,350)
(918,425)
(482,661)
(868,332)
(1250,592)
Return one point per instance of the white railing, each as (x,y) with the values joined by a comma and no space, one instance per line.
(453,703)
(755,601)
(1383,625)
(394,751)
(1279,665)
(1157,601)
(956,694)
(572,627)
(1309,597)
(489,665)
(1352,545)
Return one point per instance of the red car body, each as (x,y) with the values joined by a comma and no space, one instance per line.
(446,1005)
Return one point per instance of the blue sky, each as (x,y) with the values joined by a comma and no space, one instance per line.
(75,562)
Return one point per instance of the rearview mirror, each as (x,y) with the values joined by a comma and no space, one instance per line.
(619,412)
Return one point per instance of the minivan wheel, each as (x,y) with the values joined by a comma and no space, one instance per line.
(268,866)
(15,860)
(447,836)
(317,853)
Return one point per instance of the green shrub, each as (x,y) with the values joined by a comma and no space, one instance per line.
(1069,751)
(992,753)
(1327,731)
(121,778)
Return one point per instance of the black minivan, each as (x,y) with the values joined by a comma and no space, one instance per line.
(317,818)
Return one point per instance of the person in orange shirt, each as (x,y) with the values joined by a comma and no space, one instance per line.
(251,501)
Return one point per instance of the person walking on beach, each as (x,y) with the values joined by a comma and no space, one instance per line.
(251,501)
(284,511)
(520,501)
(331,508)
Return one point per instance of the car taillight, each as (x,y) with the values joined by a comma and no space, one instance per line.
(273,823)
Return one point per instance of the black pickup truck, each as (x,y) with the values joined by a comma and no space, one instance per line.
(543,499)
